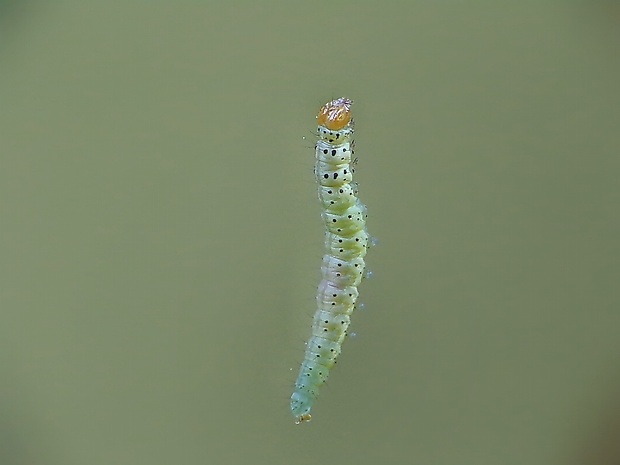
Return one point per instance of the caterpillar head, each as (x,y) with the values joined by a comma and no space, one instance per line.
(335,115)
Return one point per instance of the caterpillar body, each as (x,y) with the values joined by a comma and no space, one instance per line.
(346,242)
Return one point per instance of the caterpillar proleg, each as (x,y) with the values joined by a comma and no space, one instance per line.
(346,242)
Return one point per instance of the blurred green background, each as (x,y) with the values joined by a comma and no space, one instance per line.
(160,237)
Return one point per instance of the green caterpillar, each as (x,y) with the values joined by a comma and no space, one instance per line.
(346,242)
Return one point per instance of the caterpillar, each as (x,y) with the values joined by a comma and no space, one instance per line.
(346,242)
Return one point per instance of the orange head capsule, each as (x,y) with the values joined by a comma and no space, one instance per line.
(335,115)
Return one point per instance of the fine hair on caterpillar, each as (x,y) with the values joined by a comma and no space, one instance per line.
(345,244)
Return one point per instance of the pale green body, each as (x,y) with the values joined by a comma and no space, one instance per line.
(346,242)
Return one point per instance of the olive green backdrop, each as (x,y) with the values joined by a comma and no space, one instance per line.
(160,238)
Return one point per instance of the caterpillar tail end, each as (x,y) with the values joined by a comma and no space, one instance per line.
(303,418)
(300,408)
